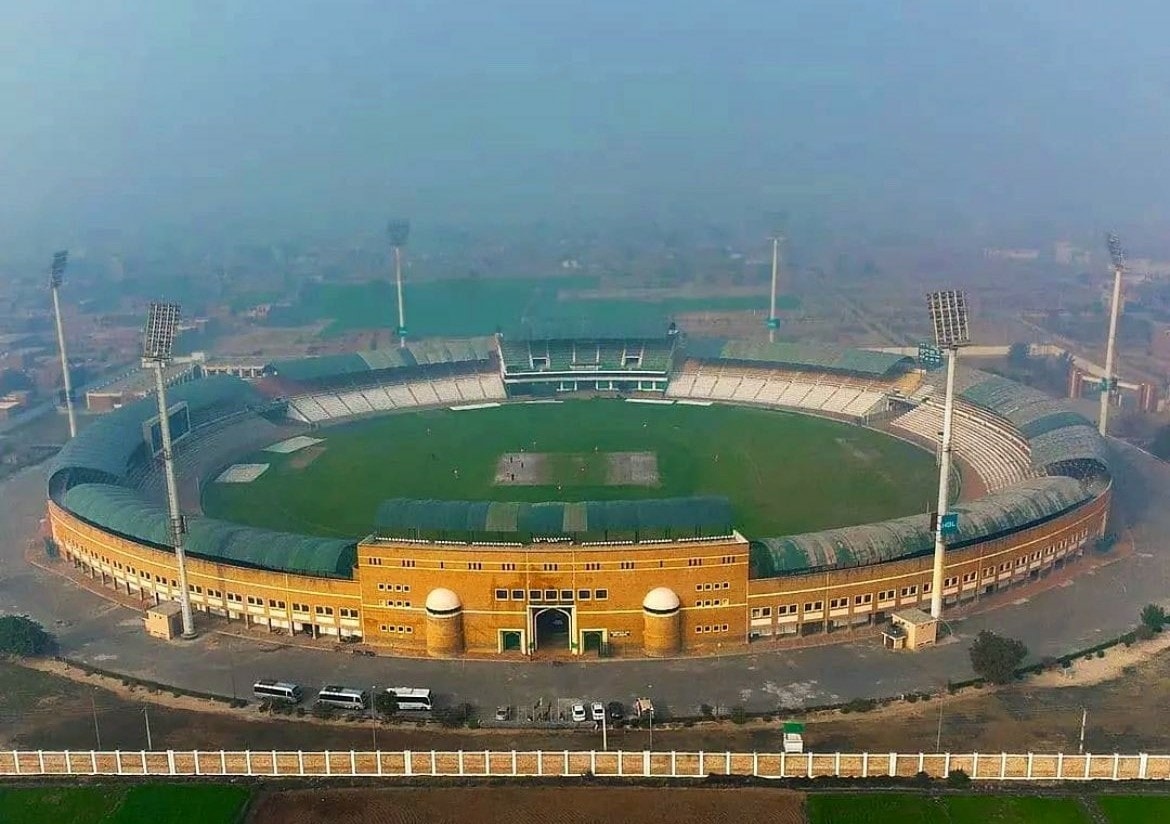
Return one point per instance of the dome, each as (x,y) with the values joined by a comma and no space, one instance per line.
(660,600)
(442,601)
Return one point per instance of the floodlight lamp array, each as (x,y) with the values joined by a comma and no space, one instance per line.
(57,269)
(948,315)
(158,339)
(1116,253)
(397,231)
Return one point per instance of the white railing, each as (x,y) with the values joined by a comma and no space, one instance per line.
(551,763)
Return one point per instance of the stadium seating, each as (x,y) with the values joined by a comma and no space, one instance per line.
(322,407)
(997,454)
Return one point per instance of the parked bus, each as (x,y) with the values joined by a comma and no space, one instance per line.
(267,689)
(344,697)
(411,699)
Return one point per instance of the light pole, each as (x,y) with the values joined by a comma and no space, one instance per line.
(1084,720)
(374,714)
(146,718)
(397,231)
(56,276)
(773,322)
(604,733)
(1117,256)
(97,731)
(948,315)
(157,349)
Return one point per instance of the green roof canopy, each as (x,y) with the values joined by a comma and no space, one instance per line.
(811,356)
(127,513)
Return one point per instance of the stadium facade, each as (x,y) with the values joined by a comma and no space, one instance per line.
(641,578)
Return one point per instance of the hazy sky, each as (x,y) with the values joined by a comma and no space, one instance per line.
(282,116)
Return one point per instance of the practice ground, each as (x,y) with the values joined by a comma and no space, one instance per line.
(784,473)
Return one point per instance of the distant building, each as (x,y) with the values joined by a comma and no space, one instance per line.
(1015,255)
(1066,253)
(134,385)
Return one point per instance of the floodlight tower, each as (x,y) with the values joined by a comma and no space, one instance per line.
(157,347)
(1117,256)
(397,231)
(948,315)
(773,322)
(56,275)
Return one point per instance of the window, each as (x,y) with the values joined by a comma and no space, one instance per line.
(254,601)
(374,561)
(275,604)
(324,610)
(886,595)
(508,566)
(968,577)
(908,591)
(475,565)
(926,587)
(214,593)
(694,562)
(566,595)
(408,562)
(501,595)
(838,603)
(517,595)
(583,595)
(1005,566)
(627,565)
(300,607)
(600,594)
(727,559)
(786,609)
(347,612)
(952,581)
(550,567)
(534,595)
(382,587)
(814,606)
(550,595)
(858,600)
(761,612)
(592,566)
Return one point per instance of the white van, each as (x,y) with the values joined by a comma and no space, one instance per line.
(266,689)
(345,698)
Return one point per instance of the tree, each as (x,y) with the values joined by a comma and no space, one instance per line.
(996,658)
(386,703)
(1154,617)
(1018,354)
(23,637)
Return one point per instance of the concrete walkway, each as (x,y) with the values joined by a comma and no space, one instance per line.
(1090,607)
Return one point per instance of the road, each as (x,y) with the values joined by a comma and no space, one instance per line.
(1093,606)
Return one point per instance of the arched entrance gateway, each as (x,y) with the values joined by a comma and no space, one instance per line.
(552,628)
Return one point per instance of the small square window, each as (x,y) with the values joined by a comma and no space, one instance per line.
(566,595)
(501,595)
(517,595)
(534,595)
(583,595)
(550,595)
(601,594)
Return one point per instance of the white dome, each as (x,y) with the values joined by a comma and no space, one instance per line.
(661,599)
(443,600)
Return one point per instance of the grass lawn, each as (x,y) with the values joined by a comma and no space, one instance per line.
(962,809)
(181,803)
(1135,809)
(59,805)
(878,808)
(784,473)
(153,803)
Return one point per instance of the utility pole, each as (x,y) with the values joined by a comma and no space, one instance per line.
(97,732)
(1084,719)
(146,718)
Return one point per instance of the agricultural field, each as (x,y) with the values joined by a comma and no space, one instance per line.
(478,306)
(783,473)
(154,803)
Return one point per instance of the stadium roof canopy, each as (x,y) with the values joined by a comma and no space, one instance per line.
(803,356)
(104,449)
(127,513)
(417,353)
(585,520)
(1024,504)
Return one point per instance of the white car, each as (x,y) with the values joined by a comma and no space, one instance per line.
(579,713)
(598,711)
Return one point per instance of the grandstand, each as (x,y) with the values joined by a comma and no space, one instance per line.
(548,365)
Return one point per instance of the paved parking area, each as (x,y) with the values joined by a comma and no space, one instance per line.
(1090,607)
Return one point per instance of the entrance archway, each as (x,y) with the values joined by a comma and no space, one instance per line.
(553,625)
